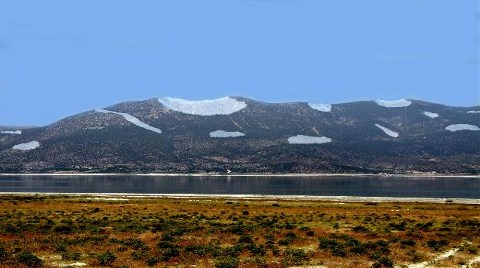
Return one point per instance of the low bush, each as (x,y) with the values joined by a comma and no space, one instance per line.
(295,256)
(257,250)
(134,243)
(63,229)
(152,261)
(29,259)
(106,259)
(407,242)
(436,245)
(383,262)
(227,262)
(245,239)
(360,229)
(139,254)
(200,250)
(3,254)
(169,253)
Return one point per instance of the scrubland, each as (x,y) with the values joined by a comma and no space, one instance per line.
(83,231)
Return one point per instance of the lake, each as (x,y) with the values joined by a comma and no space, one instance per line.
(367,186)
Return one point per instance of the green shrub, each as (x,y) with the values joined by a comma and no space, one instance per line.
(260,262)
(135,243)
(408,242)
(200,250)
(139,254)
(259,250)
(166,244)
(360,229)
(169,253)
(63,229)
(339,251)
(326,243)
(227,262)
(379,247)
(245,239)
(397,226)
(3,254)
(296,256)
(12,229)
(29,259)
(415,256)
(106,259)
(232,251)
(285,241)
(383,262)
(152,261)
(436,245)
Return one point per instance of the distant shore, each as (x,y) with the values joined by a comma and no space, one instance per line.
(341,199)
(247,175)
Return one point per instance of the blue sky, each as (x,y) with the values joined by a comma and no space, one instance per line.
(58,58)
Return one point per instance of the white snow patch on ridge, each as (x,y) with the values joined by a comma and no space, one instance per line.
(302,139)
(394,103)
(322,107)
(457,127)
(226,134)
(131,119)
(220,106)
(387,131)
(18,132)
(27,146)
(473,112)
(430,114)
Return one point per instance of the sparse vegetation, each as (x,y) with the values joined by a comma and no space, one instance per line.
(159,232)
(106,259)
(28,259)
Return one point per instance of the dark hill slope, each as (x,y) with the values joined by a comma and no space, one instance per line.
(106,142)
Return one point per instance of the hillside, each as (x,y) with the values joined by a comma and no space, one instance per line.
(246,136)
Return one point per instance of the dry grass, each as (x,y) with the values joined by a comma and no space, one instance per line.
(161,232)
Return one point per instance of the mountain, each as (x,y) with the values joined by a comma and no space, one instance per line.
(246,136)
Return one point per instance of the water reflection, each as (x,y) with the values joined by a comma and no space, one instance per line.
(439,187)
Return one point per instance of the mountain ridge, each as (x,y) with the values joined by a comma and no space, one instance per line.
(109,142)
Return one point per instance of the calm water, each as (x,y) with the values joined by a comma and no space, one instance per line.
(434,187)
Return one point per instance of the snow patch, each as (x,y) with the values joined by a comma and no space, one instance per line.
(302,139)
(394,103)
(220,106)
(18,132)
(131,119)
(322,107)
(225,134)
(457,127)
(387,131)
(473,112)
(430,114)
(27,146)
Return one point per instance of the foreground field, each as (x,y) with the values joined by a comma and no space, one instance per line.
(82,231)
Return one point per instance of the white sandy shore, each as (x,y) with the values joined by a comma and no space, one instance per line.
(123,196)
(247,175)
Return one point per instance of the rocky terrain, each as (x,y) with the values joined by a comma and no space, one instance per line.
(241,135)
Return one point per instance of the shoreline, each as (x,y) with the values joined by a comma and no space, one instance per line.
(347,199)
(247,175)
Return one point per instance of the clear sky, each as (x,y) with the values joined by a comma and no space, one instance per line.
(58,58)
